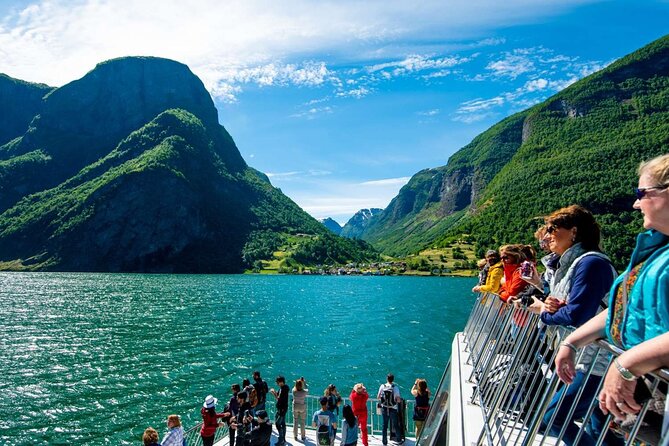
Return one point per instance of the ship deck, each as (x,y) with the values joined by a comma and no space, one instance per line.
(374,440)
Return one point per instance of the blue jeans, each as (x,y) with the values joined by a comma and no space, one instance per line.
(581,410)
(389,415)
(280,423)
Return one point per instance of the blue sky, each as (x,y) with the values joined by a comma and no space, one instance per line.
(341,102)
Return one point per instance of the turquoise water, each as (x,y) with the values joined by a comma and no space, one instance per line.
(96,358)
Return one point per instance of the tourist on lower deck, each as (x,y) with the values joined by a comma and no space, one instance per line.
(150,437)
(577,289)
(638,316)
(261,389)
(300,393)
(233,407)
(245,410)
(324,418)
(175,433)
(359,397)
(210,420)
(260,432)
(422,404)
(349,427)
(281,408)
(389,397)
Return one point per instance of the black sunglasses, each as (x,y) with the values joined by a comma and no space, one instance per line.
(642,191)
(505,257)
(551,229)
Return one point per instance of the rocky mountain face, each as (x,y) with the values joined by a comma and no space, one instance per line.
(24,99)
(128,169)
(332,225)
(580,146)
(356,225)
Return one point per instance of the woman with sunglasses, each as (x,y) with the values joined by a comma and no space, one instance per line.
(577,289)
(512,256)
(638,316)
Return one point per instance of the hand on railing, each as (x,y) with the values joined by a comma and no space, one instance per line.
(565,366)
(617,395)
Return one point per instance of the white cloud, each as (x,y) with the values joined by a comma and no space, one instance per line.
(478,105)
(535,85)
(355,93)
(401,181)
(512,65)
(433,112)
(313,112)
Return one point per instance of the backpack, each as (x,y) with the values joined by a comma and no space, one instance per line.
(388,396)
(323,430)
(261,390)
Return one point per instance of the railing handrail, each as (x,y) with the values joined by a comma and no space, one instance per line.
(312,402)
(512,357)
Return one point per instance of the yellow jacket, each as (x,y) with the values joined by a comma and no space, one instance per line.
(492,282)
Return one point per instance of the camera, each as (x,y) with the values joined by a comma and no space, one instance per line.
(526,300)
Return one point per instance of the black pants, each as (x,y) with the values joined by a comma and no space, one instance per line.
(208,441)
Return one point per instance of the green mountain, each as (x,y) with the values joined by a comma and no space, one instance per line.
(331,224)
(24,99)
(128,169)
(580,146)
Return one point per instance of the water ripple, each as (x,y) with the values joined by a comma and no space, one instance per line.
(95,358)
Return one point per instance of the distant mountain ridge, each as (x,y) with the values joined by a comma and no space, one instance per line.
(331,224)
(357,224)
(128,169)
(580,146)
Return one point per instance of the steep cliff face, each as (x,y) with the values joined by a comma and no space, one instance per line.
(356,225)
(433,199)
(25,101)
(84,120)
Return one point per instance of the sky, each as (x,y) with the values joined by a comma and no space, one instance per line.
(340,102)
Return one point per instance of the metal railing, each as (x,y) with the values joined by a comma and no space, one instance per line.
(512,356)
(374,419)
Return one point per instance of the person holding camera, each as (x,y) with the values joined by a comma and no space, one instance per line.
(241,421)
(281,408)
(422,406)
(359,397)
(261,429)
(300,393)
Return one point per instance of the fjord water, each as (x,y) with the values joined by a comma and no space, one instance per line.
(96,358)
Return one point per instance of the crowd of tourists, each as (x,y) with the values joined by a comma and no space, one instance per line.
(248,422)
(579,287)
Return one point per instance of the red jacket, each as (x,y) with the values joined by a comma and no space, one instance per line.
(513,283)
(359,402)
(210,422)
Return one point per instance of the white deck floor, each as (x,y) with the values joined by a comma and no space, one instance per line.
(311,439)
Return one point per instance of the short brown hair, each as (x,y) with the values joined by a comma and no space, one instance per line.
(575,216)
(150,436)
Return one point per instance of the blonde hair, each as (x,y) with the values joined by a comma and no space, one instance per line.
(150,436)
(513,251)
(176,421)
(657,168)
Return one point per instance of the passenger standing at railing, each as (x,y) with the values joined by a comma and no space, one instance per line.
(422,406)
(233,408)
(494,276)
(638,316)
(359,397)
(349,427)
(210,420)
(175,433)
(389,397)
(300,393)
(512,257)
(261,390)
(281,408)
(578,287)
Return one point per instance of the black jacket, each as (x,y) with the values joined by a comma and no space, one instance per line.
(260,434)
